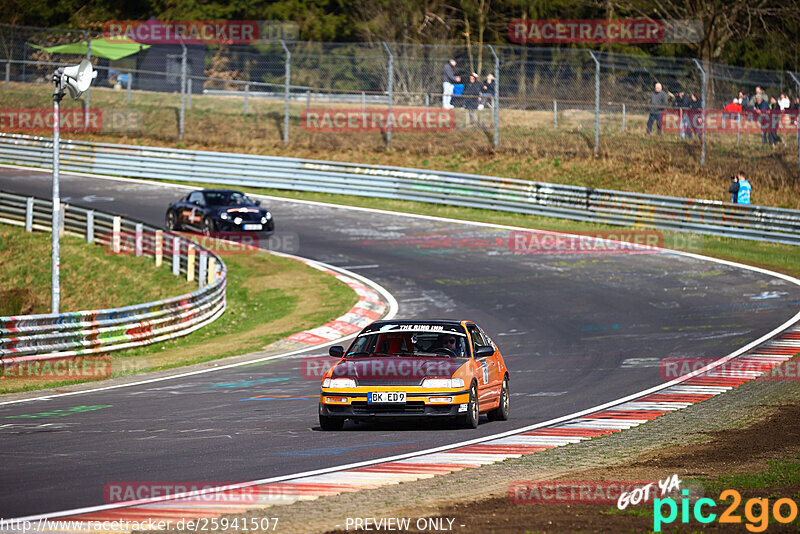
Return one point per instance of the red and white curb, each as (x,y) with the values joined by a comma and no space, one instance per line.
(683,392)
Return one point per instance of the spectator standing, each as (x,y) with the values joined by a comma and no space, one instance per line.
(658,103)
(682,103)
(762,107)
(695,116)
(472,91)
(784,102)
(449,79)
(487,92)
(734,189)
(743,195)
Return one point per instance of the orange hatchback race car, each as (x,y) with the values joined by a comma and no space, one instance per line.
(404,369)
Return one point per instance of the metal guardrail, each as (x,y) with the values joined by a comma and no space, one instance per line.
(505,194)
(35,337)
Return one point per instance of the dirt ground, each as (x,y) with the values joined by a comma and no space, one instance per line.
(740,451)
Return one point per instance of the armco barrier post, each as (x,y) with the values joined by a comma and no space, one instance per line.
(90,226)
(703,130)
(159,250)
(596,103)
(190,254)
(212,269)
(29,215)
(138,239)
(115,237)
(286,88)
(176,256)
(201,275)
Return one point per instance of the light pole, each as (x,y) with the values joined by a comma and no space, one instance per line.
(75,79)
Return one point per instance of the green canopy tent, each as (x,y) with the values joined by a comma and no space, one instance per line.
(113,49)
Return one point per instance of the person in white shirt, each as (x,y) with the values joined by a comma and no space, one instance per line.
(784,102)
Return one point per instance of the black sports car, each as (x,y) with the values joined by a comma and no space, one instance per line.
(219,210)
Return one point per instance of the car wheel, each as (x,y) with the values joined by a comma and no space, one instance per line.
(331,423)
(470,419)
(208,226)
(501,412)
(172,222)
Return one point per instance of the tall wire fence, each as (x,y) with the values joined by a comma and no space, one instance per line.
(543,100)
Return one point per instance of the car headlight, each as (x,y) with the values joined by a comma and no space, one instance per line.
(443,383)
(264,220)
(268,216)
(223,216)
(237,220)
(339,383)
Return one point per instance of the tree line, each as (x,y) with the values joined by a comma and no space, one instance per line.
(748,33)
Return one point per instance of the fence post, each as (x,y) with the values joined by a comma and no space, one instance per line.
(555,114)
(88,92)
(496,107)
(703,129)
(201,275)
(190,254)
(128,88)
(176,256)
(596,103)
(189,93)
(308,98)
(8,73)
(286,88)
(115,237)
(138,250)
(390,118)
(246,95)
(29,215)
(427,103)
(183,92)
(158,247)
(797,118)
(738,127)
(623,118)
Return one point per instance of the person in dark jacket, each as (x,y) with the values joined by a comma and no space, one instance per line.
(734,189)
(658,103)
(682,104)
(762,108)
(695,116)
(472,91)
(449,79)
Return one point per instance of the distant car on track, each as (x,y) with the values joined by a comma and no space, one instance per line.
(428,369)
(212,211)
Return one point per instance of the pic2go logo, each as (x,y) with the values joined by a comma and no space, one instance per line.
(756,521)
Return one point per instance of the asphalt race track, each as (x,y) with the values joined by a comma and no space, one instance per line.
(576,330)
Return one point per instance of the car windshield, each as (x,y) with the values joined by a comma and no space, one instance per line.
(409,344)
(227,198)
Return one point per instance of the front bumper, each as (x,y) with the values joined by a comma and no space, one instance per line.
(416,405)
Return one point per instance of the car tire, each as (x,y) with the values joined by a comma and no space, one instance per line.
(470,419)
(330,423)
(172,221)
(502,412)
(208,227)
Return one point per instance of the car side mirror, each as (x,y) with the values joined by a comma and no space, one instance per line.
(258,202)
(336,351)
(483,352)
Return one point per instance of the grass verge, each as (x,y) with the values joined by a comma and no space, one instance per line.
(268,298)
